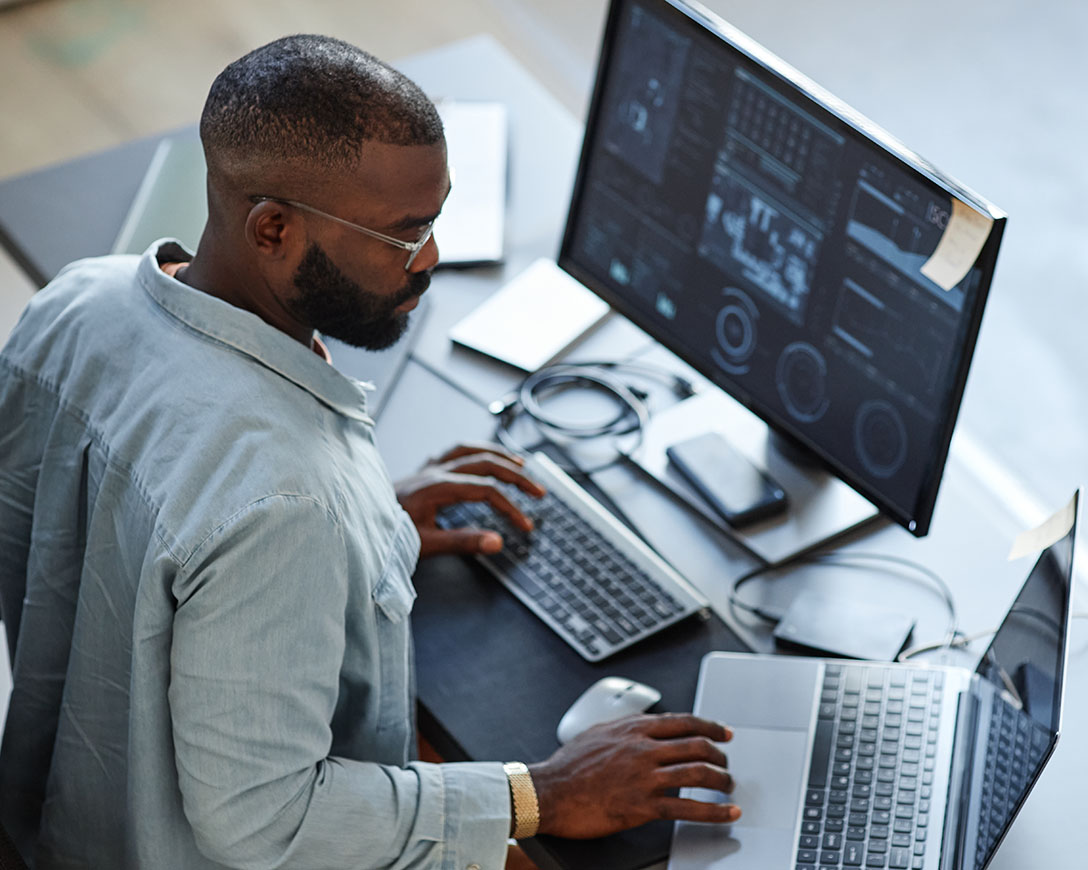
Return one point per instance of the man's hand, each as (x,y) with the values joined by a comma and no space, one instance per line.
(465,473)
(618,775)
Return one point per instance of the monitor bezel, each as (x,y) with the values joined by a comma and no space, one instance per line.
(917,518)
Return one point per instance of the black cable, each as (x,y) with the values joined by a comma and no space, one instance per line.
(845,558)
(630,419)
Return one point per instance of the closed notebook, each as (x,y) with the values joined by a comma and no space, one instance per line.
(532,319)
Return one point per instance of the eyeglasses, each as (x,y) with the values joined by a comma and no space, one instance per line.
(413,248)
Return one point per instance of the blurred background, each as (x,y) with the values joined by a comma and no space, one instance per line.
(991,91)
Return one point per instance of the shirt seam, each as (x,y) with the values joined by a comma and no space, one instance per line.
(66,406)
(255,504)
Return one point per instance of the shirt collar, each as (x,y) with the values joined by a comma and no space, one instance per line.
(248,334)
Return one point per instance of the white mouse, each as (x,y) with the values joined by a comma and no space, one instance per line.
(607,699)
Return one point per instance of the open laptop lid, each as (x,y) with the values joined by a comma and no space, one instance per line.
(1023,671)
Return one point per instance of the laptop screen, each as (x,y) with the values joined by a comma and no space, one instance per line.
(1021,707)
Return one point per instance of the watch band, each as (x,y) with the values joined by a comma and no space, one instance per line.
(523,803)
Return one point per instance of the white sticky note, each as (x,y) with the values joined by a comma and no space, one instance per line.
(959,246)
(1050,532)
(532,319)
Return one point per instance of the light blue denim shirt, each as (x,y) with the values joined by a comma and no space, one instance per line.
(208,576)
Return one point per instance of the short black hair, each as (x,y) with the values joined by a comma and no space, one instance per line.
(314,99)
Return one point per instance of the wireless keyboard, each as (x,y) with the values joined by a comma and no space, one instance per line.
(584,573)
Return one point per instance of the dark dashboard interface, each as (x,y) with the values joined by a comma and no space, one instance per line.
(777,243)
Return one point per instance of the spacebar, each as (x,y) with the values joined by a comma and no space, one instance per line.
(821,753)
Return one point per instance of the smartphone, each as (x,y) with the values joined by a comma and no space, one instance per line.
(739,491)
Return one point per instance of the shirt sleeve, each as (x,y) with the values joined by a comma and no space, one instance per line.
(259,637)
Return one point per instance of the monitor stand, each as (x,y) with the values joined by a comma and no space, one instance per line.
(821,506)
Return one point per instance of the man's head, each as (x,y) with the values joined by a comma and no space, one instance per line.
(304,138)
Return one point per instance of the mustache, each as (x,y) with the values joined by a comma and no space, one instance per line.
(417,284)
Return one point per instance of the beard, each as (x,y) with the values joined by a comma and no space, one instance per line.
(339,308)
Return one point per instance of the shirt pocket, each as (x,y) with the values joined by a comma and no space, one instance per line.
(393,597)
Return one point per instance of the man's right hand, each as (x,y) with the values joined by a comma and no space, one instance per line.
(620,774)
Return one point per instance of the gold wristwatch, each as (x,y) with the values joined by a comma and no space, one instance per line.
(525,810)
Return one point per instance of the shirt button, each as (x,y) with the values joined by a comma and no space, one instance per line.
(473,867)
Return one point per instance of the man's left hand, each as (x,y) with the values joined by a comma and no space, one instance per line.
(469,472)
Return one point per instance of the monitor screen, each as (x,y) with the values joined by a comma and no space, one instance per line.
(784,246)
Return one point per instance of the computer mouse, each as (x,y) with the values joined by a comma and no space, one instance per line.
(607,699)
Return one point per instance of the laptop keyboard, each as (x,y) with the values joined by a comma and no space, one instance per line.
(597,585)
(1015,749)
(870,784)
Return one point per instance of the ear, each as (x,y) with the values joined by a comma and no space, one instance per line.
(273,231)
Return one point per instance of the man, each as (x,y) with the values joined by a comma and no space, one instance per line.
(204,569)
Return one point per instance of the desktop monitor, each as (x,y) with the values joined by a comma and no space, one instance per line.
(784,246)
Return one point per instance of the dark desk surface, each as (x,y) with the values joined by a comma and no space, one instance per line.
(492,681)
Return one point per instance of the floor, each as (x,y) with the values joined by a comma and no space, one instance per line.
(989,90)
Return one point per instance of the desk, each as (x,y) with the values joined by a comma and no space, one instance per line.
(479,700)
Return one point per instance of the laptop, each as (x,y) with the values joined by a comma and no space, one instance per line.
(844,764)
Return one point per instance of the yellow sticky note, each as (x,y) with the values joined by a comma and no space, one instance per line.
(959,246)
(1050,532)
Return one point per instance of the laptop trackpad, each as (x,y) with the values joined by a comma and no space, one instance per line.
(759,691)
(768,766)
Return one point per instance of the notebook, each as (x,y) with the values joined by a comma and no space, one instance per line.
(532,319)
(845,764)
(471,228)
